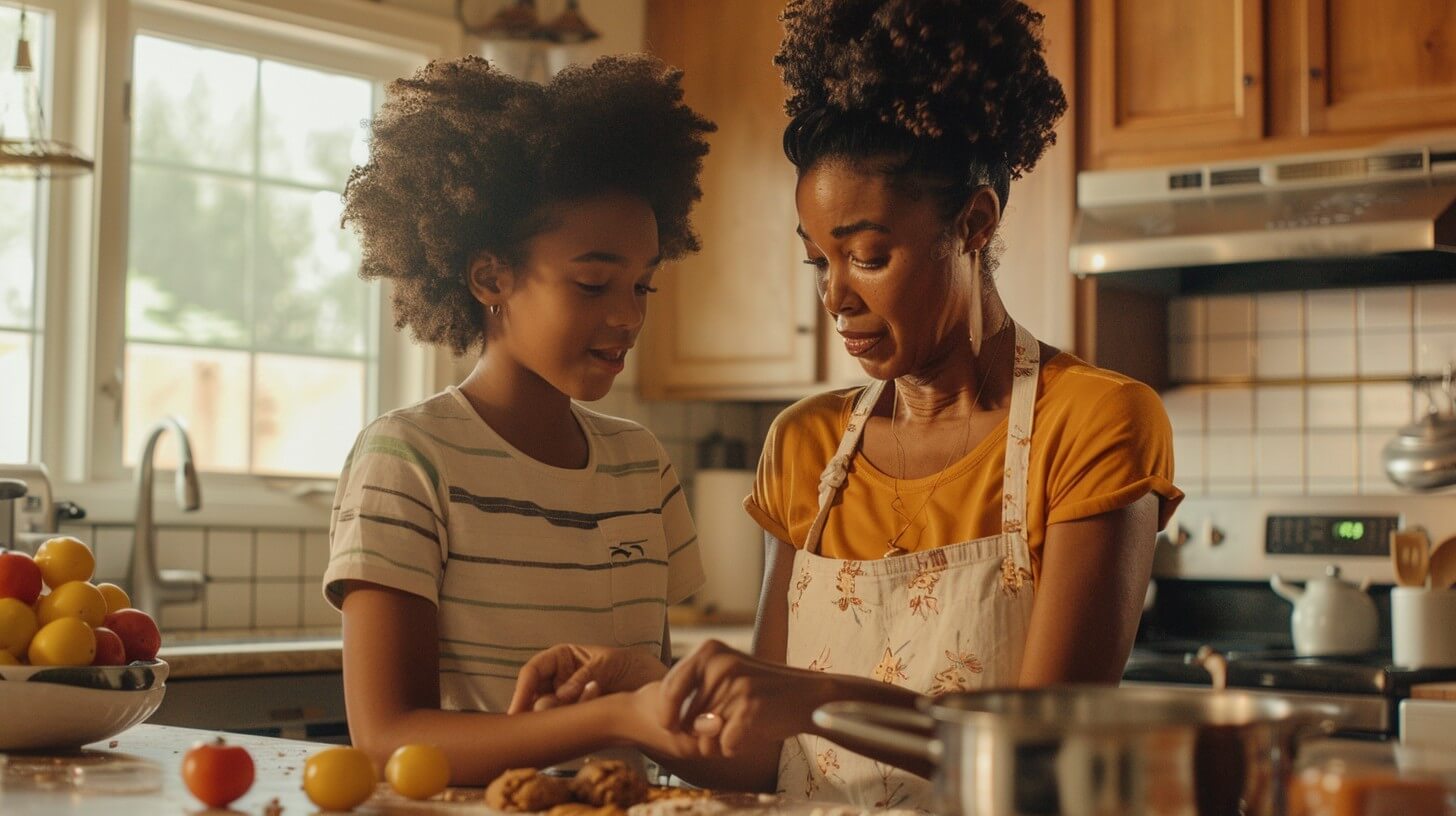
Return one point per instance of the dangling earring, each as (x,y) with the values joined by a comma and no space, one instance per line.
(977,334)
(494,309)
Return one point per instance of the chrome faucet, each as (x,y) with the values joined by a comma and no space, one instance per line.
(151,587)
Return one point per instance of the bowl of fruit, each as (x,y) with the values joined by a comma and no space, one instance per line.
(77,663)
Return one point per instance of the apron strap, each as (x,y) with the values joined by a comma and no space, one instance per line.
(837,471)
(1025,370)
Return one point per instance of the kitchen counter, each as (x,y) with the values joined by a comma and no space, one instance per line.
(246,652)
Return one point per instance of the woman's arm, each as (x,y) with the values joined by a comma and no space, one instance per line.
(392,693)
(1094,575)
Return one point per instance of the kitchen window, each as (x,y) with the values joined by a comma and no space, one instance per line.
(23,230)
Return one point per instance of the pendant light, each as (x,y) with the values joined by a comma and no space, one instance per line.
(32,154)
(517,21)
(569,27)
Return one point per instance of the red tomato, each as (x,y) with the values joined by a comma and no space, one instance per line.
(138,632)
(19,577)
(109,650)
(217,773)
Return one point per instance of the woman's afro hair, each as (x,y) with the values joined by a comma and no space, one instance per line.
(966,74)
(464,159)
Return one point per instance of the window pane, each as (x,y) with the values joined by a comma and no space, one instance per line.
(12,116)
(15,356)
(308,293)
(17,252)
(187,280)
(193,105)
(307,414)
(206,388)
(312,124)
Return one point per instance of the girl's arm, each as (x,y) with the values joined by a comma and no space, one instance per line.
(1094,575)
(392,693)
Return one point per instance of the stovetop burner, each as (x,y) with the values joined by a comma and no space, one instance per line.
(1282,670)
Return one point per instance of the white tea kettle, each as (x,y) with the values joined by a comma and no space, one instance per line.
(1331,616)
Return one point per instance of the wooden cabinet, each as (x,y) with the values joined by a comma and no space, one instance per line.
(1214,80)
(1379,64)
(742,319)
(1188,73)
(741,316)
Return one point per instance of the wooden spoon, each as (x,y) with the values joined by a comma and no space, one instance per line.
(1410,552)
(1443,564)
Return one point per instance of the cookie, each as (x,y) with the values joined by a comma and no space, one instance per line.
(609,782)
(526,790)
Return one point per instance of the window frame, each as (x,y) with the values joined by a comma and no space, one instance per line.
(81,431)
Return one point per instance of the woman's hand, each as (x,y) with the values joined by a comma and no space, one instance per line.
(733,702)
(570,673)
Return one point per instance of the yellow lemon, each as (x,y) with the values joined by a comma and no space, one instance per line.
(63,642)
(76,599)
(339,778)
(417,771)
(17,627)
(65,559)
(116,597)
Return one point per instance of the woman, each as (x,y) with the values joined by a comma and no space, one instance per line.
(984,513)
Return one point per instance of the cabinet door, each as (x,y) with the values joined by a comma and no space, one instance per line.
(1163,74)
(1379,64)
(741,314)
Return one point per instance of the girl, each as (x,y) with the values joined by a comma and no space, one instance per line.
(499,517)
(983,514)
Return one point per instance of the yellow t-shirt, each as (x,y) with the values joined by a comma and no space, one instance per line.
(1099,441)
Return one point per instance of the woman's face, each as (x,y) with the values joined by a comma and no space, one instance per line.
(575,308)
(899,293)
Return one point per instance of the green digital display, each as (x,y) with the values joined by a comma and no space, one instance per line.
(1349,530)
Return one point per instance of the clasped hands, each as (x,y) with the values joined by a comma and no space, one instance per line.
(716,702)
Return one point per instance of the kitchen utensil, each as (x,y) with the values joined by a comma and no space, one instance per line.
(1410,552)
(1443,564)
(1422,455)
(1076,750)
(1423,627)
(1331,616)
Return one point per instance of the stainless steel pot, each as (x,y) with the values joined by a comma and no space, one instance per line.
(1094,750)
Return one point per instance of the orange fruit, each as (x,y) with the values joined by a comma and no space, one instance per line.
(17,627)
(417,771)
(116,597)
(63,642)
(65,559)
(339,778)
(76,599)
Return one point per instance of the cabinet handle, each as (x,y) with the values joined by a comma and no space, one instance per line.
(1316,73)
(1248,80)
(804,329)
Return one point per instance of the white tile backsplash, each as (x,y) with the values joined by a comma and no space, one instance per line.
(180,548)
(276,604)
(315,553)
(229,606)
(1323,391)
(229,554)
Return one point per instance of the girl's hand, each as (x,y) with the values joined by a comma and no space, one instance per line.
(733,702)
(570,673)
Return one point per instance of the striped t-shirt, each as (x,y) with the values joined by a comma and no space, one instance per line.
(517,555)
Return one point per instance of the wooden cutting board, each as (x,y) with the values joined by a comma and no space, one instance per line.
(1434,691)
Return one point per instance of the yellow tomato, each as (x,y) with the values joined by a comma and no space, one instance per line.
(76,599)
(417,771)
(116,597)
(339,778)
(63,642)
(65,559)
(17,627)
(8,659)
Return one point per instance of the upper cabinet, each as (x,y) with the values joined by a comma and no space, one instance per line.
(1160,73)
(741,317)
(1211,80)
(1379,64)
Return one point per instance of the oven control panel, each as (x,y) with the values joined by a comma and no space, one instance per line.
(1329,535)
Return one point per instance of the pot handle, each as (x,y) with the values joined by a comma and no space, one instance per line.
(888,727)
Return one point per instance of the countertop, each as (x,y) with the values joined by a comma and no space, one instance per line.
(244,652)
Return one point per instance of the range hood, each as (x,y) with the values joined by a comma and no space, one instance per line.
(1328,205)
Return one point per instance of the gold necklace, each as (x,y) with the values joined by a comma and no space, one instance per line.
(898,505)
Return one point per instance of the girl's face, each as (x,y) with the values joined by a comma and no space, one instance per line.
(884,272)
(574,309)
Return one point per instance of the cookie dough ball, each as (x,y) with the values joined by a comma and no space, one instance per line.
(526,790)
(579,809)
(609,782)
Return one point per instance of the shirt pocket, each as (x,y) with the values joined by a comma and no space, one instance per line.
(636,547)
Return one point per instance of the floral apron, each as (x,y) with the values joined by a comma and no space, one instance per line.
(941,620)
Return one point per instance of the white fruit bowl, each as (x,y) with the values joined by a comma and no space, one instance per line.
(50,708)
